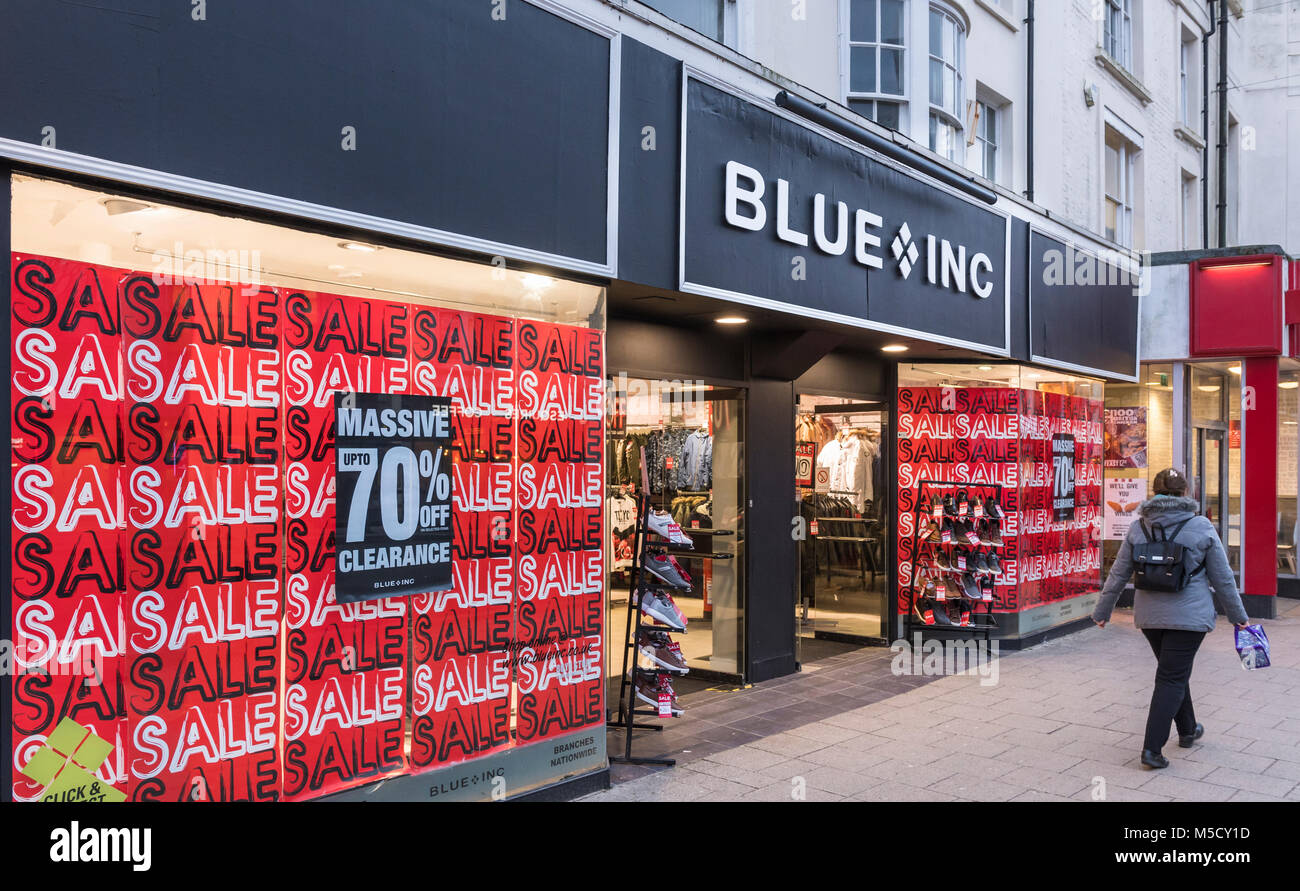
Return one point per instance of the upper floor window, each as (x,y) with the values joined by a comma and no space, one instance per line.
(1187,92)
(1119,31)
(947,100)
(709,17)
(986,140)
(1121,187)
(876,62)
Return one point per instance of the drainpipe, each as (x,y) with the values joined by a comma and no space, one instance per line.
(1029,106)
(1205,131)
(1223,123)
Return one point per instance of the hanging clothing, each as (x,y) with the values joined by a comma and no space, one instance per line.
(849,460)
(622,530)
(695,464)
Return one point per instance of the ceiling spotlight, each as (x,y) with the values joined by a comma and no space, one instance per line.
(1289,385)
(985,367)
(1235,369)
(731,320)
(894,348)
(358,246)
(534,282)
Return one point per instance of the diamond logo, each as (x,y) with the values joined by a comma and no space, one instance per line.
(904,250)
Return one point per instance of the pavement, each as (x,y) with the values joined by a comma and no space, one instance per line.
(1061,721)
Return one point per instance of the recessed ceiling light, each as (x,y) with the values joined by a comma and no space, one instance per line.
(985,367)
(894,348)
(1208,388)
(1289,385)
(1288,423)
(358,246)
(731,320)
(1235,369)
(534,282)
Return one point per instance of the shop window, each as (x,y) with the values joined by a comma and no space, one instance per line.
(947,95)
(195,370)
(876,63)
(1033,438)
(1139,443)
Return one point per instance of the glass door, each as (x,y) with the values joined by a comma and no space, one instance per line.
(842,491)
(1208,460)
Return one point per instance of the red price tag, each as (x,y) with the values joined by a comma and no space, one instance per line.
(665,705)
(961,562)
(812,527)
(937,512)
(945,536)
(695,524)
(979,510)
(961,509)
(941,591)
(668,462)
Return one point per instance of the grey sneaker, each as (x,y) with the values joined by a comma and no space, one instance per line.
(663,525)
(663,567)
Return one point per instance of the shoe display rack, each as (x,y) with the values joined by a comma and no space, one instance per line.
(651,659)
(956,555)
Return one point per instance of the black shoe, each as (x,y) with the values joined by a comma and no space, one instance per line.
(1154,760)
(1185,741)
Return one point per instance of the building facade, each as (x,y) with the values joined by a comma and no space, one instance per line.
(631,263)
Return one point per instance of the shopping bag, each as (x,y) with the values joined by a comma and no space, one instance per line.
(1252,647)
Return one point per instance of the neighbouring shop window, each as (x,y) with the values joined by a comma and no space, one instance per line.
(175,378)
(1288,461)
(1139,442)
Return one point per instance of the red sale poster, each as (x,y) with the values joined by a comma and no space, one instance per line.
(560,486)
(463,637)
(69,612)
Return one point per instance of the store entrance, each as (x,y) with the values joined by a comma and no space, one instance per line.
(691,438)
(842,495)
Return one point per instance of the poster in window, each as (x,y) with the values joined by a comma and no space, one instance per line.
(393,521)
(1126,438)
(1062,478)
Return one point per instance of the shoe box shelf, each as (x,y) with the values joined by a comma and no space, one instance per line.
(958,530)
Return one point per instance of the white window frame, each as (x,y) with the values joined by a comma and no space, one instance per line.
(938,114)
(1117,31)
(984,111)
(1125,197)
(1188,215)
(846,60)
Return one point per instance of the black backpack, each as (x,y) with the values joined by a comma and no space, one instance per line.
(1158,562)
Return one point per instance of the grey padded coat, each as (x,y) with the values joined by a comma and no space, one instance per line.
(1191,609)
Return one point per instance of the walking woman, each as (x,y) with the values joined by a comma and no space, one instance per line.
(1174,622)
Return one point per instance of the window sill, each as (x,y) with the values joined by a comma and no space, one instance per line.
(1121,74)
(999,13)
(1189,137)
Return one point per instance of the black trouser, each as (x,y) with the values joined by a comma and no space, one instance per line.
(1171,700)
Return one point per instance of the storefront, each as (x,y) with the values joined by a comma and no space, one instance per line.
(796,331)
(1217,397)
